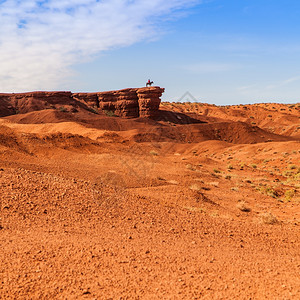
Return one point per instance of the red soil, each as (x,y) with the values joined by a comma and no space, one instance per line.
(199,203)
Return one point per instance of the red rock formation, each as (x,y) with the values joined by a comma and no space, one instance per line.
(6,108)
(149,101)
(27,102)
(91,99)
(123,103)
(132,102)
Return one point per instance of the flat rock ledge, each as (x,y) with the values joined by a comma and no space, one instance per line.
(129,103)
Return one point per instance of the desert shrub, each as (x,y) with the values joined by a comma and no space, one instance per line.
(292,167)
(153,152)
(216,170)
(268,218)
(292,173)
(190,167)
(63,109)
(236,189)
(288,195)
(288,173)
(254,166)
(242,166)
(230,167)
(110,113)
(268,191)
(242,206)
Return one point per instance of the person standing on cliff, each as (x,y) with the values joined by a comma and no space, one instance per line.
(149,83)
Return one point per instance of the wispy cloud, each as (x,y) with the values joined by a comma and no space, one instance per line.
(283,82)
(40,40)
(210,67)
(280,90)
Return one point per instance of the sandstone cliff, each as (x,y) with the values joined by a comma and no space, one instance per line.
(131,102)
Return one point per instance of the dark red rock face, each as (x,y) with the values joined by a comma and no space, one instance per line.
(132,102)
(123,103)
(149,101)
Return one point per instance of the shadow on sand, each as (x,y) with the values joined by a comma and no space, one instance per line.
(176,118)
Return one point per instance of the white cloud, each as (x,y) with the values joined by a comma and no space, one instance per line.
(40,40)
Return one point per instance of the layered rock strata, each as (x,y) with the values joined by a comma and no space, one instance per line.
(149,101)
(132,102)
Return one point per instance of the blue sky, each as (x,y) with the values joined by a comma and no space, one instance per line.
(221,51)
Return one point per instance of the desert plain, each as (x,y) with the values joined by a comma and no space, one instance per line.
(200,202)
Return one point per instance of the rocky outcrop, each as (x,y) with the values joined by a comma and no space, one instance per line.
(123,103)
(132,102)
(91,99)
(27,102)
(149,101)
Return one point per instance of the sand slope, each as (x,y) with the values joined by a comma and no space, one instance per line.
(197,204)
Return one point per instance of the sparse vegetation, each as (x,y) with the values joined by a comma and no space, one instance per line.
(269,191)
(153,152)
(230,167)
(289,194)
(63,109)
(110,113)
(190,167)
(292,167)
